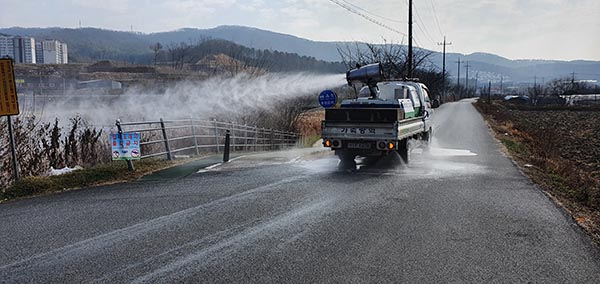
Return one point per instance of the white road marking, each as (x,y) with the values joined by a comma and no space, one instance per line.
(211,167)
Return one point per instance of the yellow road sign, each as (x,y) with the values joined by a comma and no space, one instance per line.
(9,105)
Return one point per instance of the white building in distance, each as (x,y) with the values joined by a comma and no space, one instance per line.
(24,50)
(53,52)
(39,53)
(6,47)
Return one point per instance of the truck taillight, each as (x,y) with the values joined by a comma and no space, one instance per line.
(391,146)
(327,143)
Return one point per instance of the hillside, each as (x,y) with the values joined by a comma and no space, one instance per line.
(96,44)
(244,57)
(89,44)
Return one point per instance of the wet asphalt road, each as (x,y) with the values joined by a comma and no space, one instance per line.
(462,213)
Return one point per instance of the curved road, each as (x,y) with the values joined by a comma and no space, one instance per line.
(461,213)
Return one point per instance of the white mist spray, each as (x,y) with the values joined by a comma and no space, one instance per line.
(213,97)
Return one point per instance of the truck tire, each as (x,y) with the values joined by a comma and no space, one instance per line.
(346,160)
(404,150)
(426,138)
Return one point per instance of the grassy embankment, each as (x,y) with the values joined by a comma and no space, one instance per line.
(35,184)
(103,174)
(559,149)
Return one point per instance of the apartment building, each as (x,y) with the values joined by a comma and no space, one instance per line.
(24,50)
(54,52)
(28,50)
(6,47)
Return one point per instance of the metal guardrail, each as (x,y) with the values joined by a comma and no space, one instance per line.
(192,136)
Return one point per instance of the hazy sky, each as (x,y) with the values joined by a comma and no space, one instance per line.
(517,29)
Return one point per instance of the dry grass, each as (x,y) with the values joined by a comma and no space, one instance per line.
(41,145)
(309,126)
(310,123)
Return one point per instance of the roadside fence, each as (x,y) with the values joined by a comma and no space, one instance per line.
(170,138)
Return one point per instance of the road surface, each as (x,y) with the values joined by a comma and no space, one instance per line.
(462,213)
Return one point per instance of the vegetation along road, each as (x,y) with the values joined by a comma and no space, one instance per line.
(461,212)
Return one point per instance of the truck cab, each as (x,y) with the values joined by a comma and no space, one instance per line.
(415,92)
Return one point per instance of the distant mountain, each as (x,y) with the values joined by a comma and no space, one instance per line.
(90,43)
(95,44)
(256,38)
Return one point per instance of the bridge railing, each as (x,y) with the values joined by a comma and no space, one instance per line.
(170,138)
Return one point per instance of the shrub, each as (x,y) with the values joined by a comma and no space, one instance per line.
(44,145)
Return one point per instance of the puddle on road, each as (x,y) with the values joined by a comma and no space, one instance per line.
(436,163)
(275,158)
(447,152)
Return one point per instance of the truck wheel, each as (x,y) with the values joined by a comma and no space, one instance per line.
(404,150)
(426,138)
(427,135)
(347,160)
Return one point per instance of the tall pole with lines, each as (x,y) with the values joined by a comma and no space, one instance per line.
(444,67)
(467,79)
(457,80)
(410,39)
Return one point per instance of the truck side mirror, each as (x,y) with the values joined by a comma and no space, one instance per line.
(435,103)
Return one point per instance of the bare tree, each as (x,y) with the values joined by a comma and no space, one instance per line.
(536,93)
(394,61)
(172,50)
(178,52)
(283,114)
(182,52)
(393,57)
(156,48)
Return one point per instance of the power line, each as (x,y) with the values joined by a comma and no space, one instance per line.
(437,22)
(417,42)
(424,28)
(410,39)
(373,14)
(427,35)
(366,17)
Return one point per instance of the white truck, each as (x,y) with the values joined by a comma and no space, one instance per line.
(381,120)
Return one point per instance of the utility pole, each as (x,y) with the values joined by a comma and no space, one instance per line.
(410,39)
(13,151)
(573,82)
(501,85)
(476,82)
(457,79)
(467,79)
(444,67)
(535,92)
(489,91)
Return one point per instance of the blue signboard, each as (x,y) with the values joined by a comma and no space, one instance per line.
(327,99)
(125,146)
